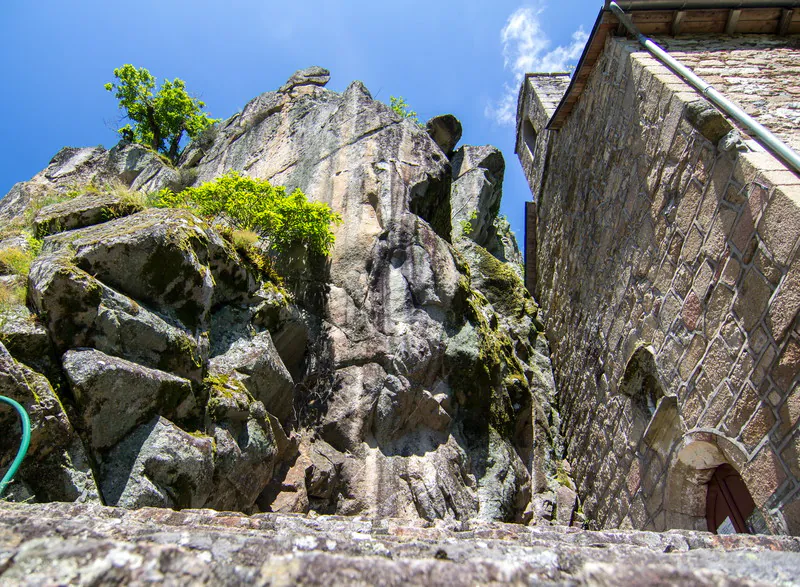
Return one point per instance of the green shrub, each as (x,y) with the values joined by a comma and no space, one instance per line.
(466,225)
(17,261)
(283,220)
(399,105)
(10,296)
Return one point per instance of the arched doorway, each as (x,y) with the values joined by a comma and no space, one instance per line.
(729,506)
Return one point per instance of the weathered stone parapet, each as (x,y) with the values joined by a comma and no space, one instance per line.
(59,543)
(759,73)
(659,235)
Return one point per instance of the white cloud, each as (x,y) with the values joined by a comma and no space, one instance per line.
(525,49)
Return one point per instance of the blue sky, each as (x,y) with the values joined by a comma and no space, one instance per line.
(461,57)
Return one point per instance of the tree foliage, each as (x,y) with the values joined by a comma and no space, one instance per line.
(399,105)
(284,220)
(160,118)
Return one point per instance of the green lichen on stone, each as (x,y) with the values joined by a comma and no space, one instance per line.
(227,397)
(483,370)
(562,477)
(503,287)
(187,346)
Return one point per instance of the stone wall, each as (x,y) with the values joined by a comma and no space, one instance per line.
(667,263)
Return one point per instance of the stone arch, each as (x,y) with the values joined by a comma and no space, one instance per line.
(699,454)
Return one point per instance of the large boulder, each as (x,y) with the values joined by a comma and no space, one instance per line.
(256,364)
(248,443)
(114,395)
(159,465)
(311,76)
(476,192)
(85,210)
(445,130)
(127,164)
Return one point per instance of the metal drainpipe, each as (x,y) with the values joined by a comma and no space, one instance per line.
(773,143)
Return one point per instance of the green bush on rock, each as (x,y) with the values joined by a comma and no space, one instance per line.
(399,105)
(283,220)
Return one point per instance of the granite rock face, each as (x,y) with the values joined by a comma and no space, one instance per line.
(82,544)
(404,376)
(128,164)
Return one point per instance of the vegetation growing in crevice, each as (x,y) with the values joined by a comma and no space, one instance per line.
(466,225)
(282,220)
(16,261)
(399,105)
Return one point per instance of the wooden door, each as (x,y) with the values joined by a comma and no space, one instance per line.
(729,506)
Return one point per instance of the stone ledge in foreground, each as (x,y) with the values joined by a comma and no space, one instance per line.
(65,543)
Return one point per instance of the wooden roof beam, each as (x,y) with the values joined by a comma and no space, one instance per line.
(677,19)
(733,21)
(785,21)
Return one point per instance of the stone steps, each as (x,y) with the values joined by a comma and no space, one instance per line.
(63,543)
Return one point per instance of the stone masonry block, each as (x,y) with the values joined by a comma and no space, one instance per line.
(788,366)
(791,513)
(763,475)
(702,280)
(764,365)
(692,356)
(786,303)
(692,311)
(790,410)
(717,309)
(791,455)
(767,266)
(743,230)
(716,241)
(758,427)
(716,409)
(731,272)
(683,280)
(742,410)
(779,227)
(752,299)
(687,207)
(741,370)
(669,310)
(692,246)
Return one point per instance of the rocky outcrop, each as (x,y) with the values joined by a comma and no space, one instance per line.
(445,130)
(404,376)
(114,395)
(79,544)
(85,210)
(127,164)
(477,191)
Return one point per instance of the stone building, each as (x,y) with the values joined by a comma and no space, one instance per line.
(662,243)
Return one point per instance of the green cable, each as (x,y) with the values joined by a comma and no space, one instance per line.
(23,447)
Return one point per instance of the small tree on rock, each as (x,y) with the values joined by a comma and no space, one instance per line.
(159,119)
